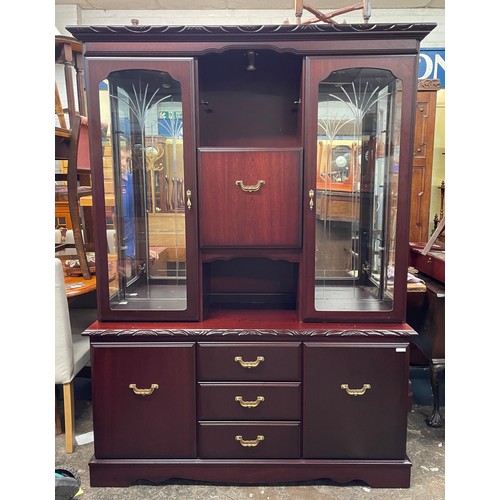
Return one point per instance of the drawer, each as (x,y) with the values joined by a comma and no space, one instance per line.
(250,197)
(235,362)
(249,440)
(249,401)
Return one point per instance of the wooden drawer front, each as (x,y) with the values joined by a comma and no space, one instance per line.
(249,440)
(369,425)
(252,362)
(334,205)
(264,401)
(231,216)
(158,425)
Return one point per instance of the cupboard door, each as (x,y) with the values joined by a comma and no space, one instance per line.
(355,401)
(250,197)
(356,181)
(144,400)
(145,186)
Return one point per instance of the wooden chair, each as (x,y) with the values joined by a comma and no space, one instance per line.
(300,6)
(71,145)
(68,54)
(76,152)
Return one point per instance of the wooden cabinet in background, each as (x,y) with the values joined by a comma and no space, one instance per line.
(423,152)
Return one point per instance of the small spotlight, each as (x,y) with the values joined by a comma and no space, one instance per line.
(250,60)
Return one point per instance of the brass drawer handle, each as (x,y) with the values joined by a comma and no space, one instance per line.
(250,443)
(249,364)
(249,404)
(355,392)
(143,392)
(250,189)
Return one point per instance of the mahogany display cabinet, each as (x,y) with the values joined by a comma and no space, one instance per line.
(251,203)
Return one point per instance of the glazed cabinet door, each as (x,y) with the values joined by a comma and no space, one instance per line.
(142,121)
(355,400)
(356,186)
(144,400)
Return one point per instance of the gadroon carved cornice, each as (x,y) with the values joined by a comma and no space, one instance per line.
(250,32)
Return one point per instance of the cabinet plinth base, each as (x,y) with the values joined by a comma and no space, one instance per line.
(375,473)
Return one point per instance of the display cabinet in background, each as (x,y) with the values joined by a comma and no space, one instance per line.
(252,201)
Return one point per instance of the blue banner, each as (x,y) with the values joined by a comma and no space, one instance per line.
(431,64)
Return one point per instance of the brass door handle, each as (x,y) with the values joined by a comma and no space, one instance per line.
(311,199)
(249,404)
(250,189)
(249,364)
(355,392)
(143,392)
(188,202)
(249,442)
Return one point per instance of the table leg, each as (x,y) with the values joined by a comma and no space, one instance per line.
(435,420)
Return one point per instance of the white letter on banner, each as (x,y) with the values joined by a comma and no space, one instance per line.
(428,66)
(438,63)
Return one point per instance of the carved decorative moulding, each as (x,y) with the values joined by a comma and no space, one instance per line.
(225,332)
(256,32)
(429,84)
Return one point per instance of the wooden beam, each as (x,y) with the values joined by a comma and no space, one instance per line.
(299,10)
(433,238)
(365,5)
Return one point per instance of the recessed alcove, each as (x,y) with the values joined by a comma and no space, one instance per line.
(241,106)
(250,282)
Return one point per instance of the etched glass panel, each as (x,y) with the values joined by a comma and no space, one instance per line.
(142,138)
(359,115)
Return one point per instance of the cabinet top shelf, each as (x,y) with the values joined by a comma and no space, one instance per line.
(251,325)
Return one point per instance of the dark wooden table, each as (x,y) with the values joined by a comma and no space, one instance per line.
(426,314)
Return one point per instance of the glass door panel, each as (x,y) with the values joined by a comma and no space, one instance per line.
(143,160)
(358,124)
